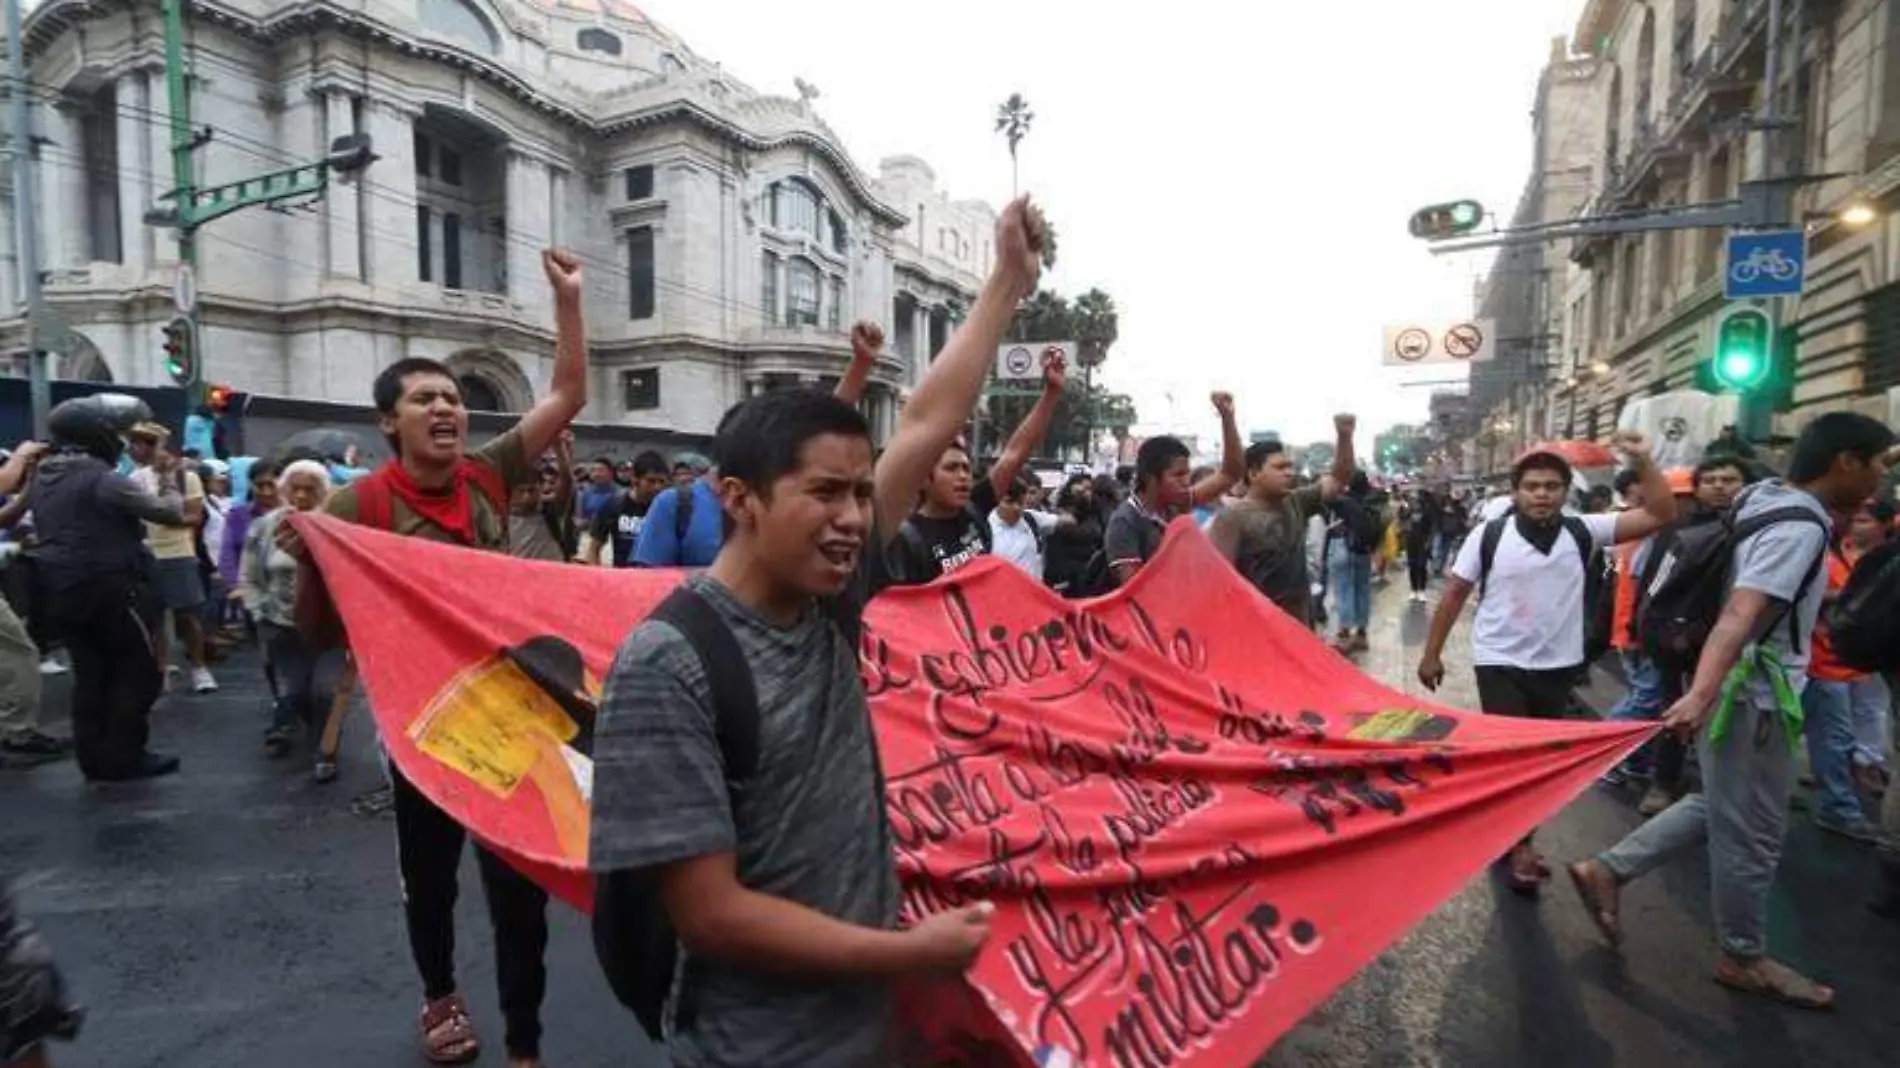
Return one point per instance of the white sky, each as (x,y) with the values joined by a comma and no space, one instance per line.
(1237,175)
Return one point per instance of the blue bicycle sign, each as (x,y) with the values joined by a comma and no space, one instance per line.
(1768,263)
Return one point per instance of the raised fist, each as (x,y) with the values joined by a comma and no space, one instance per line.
(867,340)
(1224,404)
(1346,423)
(1020,233)
(1055,373)
(564,272)
(1631,443)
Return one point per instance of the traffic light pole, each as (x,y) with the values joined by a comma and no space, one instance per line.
(193,206)
(26,221)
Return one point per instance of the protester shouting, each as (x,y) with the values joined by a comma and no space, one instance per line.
(947,530)
(782,887)
(1747,725)
(90,574)
(436,489)
(1163,489)
(1264,533)
(1529,567)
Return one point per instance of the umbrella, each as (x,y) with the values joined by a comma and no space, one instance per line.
(328,442)
(1577,453)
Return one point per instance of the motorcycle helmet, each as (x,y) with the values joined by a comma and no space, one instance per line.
(96,424)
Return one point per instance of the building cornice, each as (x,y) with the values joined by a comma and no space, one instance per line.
(680,103)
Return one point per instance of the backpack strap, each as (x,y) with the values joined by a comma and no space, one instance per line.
(1586,543)
(1488,550)
(918,550)
(373,500)
(735,700)
(987,536)
(1755,524)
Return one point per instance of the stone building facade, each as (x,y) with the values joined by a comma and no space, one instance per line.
(1679,80)
(728,238)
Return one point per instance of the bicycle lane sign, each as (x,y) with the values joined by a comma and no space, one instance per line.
(1765,263)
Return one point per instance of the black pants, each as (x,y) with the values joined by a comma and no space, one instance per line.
(1418,563)
(115,678)
(429,851)
(1526,693)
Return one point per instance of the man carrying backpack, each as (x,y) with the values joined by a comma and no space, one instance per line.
(746,891)
(1530,567)
(437,490)
(1744,699)
(684,527)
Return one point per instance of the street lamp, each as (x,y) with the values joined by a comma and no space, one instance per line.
(1860,213)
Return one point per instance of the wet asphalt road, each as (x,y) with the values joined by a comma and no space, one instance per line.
(238,916)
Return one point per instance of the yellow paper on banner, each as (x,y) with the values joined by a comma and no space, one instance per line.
(493,724)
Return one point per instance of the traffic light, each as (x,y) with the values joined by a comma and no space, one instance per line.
(181,357)
(1447,220)
(217,398)
(1743,360)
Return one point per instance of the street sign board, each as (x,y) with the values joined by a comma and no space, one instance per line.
(1022,361)
(184,290)
(1765,263)
(1413,344)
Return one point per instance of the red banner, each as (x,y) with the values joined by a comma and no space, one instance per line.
(1196,819)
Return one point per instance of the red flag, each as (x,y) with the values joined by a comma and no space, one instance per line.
(1196,820)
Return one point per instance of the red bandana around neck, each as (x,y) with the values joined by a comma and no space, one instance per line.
(452,509)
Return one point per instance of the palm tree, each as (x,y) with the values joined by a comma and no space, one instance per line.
(1096,326)
(1012,121)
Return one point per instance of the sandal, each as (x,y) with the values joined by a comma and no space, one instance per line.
(1773,979)
(448,1035)
(1599,891)
(1527,871)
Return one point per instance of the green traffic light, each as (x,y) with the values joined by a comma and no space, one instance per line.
(1742,358)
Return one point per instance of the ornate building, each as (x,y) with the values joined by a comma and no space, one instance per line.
(729,239)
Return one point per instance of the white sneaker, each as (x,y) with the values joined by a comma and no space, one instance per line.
(52,666)
(202,682)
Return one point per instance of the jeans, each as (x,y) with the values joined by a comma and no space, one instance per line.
(1352,587)
(101,622)
(1829,709)
(1644,700)
(1873,720)
(429,850)
(1742,814)
(291,667)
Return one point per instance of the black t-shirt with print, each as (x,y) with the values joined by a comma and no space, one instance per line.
(620,520)
(926,547)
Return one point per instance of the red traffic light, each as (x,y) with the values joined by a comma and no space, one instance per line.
(218,398)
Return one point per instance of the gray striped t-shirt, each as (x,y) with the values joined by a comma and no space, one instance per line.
(809,827)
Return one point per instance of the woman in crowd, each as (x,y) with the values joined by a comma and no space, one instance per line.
(268,584)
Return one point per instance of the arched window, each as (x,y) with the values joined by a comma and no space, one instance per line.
(801,292)
(594,39)
(459,20)
(478,394)
(795,207)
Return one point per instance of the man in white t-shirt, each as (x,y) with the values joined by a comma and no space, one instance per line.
(1529,567)
(1018,534)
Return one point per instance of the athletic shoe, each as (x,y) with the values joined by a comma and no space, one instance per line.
(202,682)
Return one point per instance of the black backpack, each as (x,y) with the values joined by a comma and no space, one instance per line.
(1863,623)
(1360,525)
(1678,608)
(634,940)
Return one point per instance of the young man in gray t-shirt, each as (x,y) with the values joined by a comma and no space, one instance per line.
(1749,770)
(783,887)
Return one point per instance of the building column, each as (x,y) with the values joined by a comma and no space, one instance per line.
(920,334)
(390,258)
(558,235)
(527,194)
(134,96)
(62,188)
(342,206)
